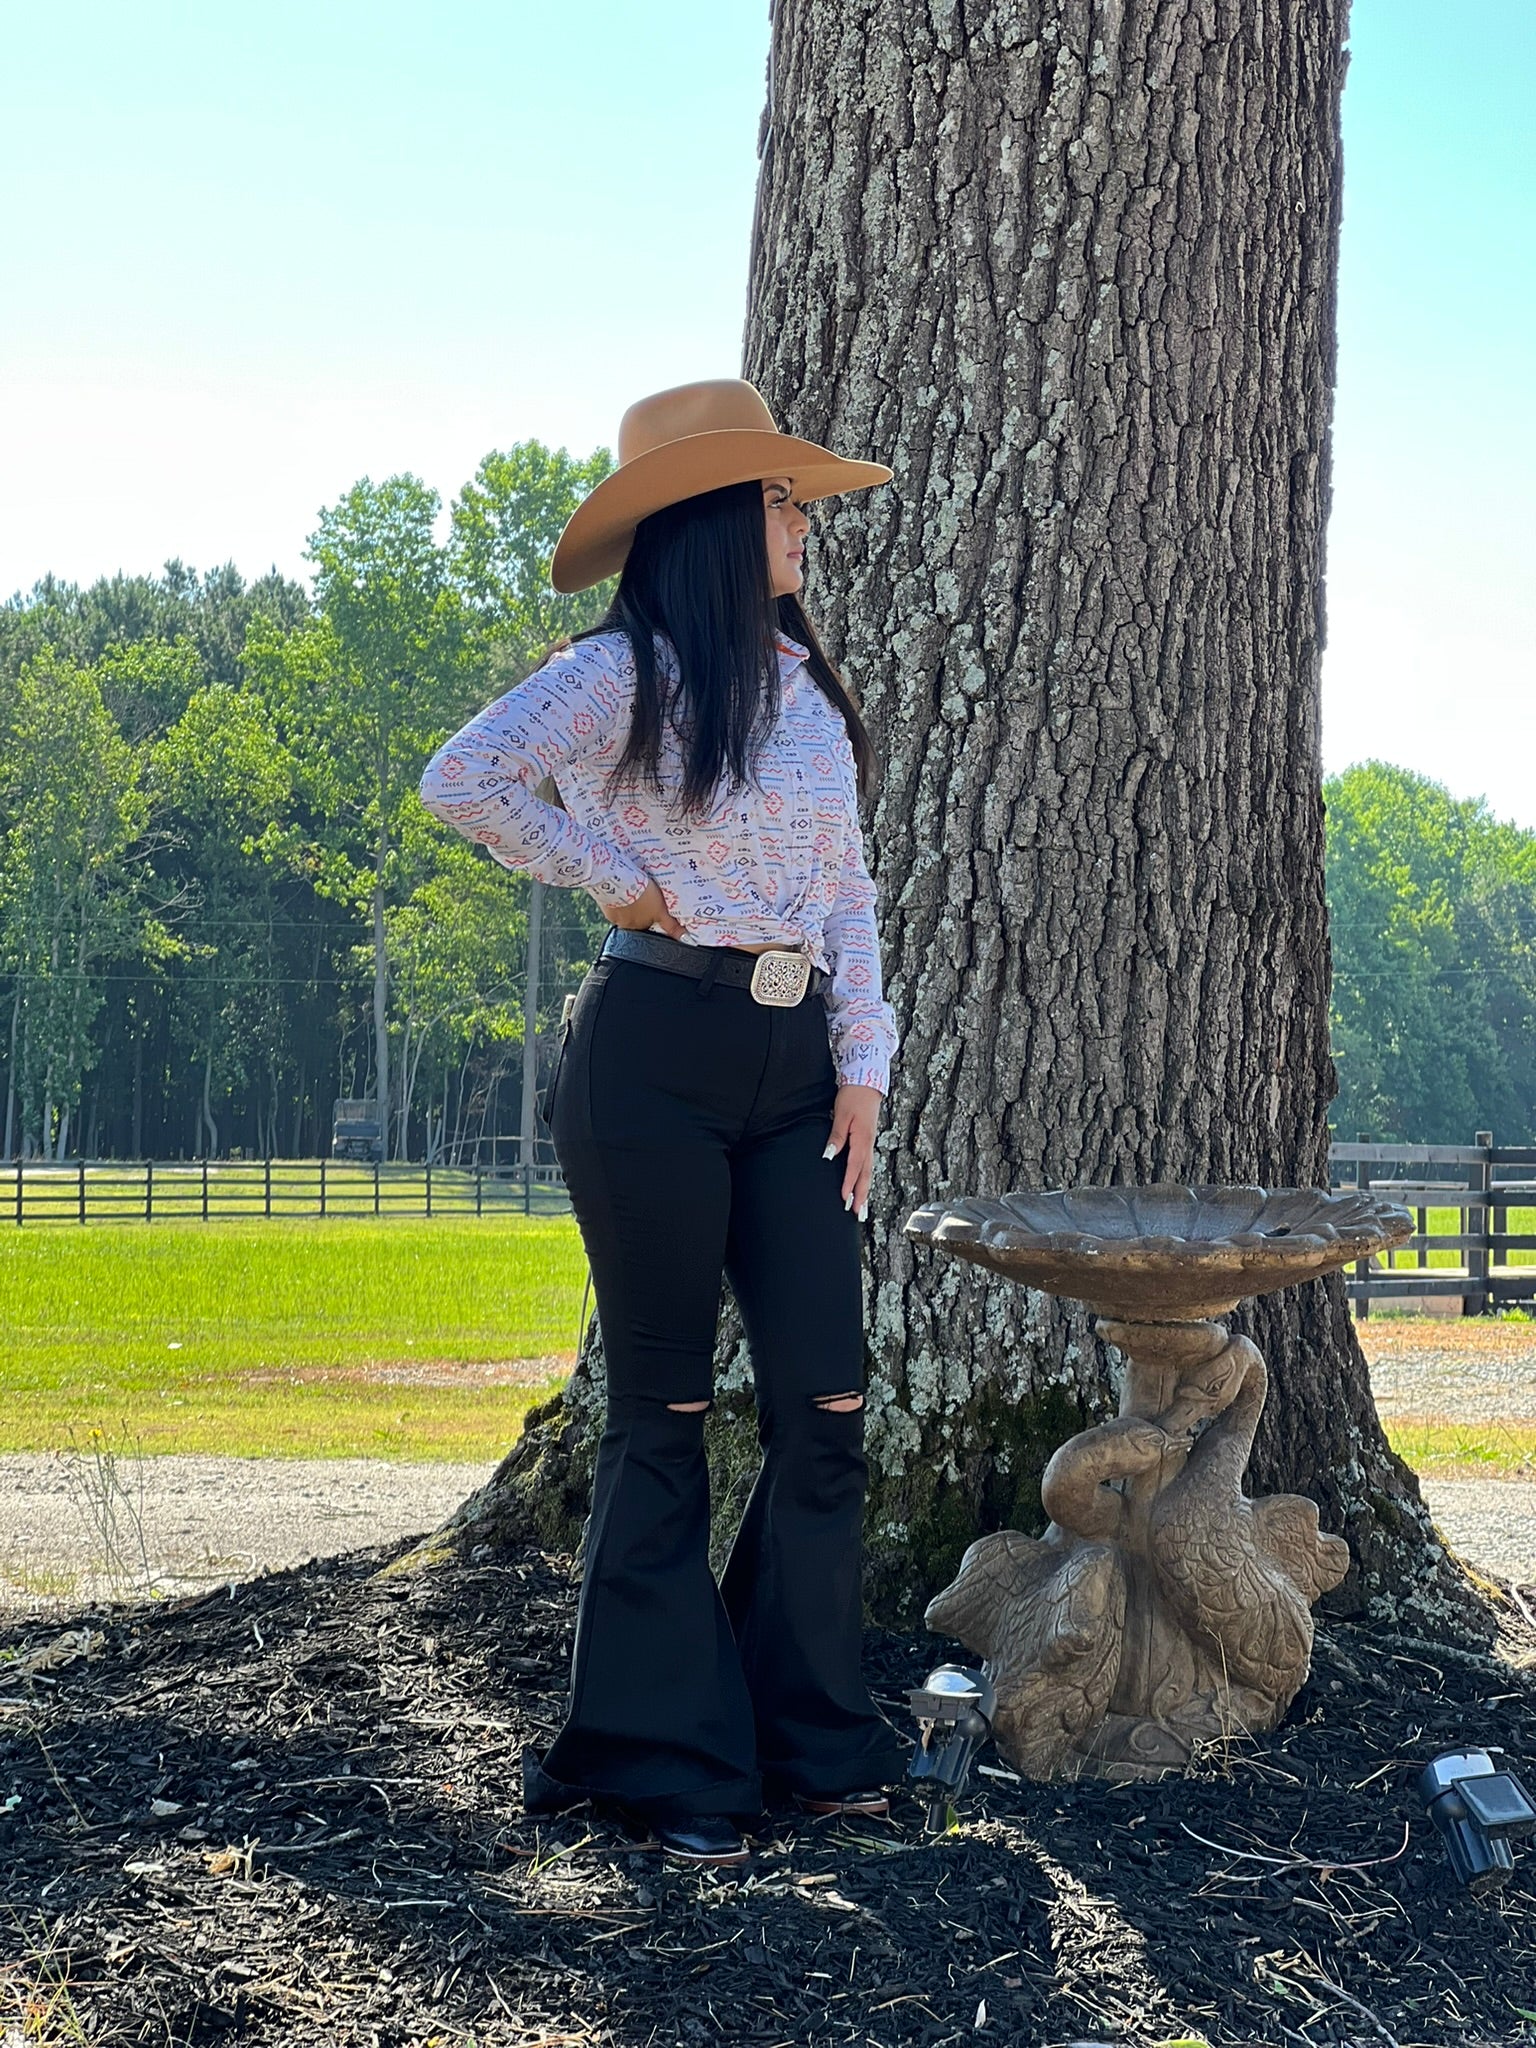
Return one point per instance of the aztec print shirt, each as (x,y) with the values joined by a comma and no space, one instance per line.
(778,862)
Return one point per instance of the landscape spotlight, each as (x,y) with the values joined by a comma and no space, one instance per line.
(1477,1807)
(954,1709)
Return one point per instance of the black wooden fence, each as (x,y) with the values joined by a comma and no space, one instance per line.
(99,1191)
(1480,1184)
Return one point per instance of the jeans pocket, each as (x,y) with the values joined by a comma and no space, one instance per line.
(576,1015)
(544,1101)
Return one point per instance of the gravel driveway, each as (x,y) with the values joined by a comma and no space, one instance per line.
(203,1520)
(1469,1374)
(63,1519)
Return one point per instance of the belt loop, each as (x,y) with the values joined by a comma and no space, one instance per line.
(707,980)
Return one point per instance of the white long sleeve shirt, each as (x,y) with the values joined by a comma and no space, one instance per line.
(778,862)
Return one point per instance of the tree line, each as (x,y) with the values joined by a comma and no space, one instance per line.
(1433,909)
(222,905)
(221,902)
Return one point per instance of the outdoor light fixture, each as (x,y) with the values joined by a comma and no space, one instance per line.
(1477,1807)
(954,1709)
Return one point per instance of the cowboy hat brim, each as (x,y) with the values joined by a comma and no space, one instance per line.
(598,534)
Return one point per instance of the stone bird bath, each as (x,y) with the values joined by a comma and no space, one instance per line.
(1162,1605)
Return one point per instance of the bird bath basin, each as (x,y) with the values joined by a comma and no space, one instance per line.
(1162,1605)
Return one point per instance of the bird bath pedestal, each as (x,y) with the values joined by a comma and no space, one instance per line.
(1161,1606)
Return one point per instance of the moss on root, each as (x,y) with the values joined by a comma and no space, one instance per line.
(921,1520)
(541,1490)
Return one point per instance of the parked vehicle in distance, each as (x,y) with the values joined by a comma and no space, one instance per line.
(356,1132)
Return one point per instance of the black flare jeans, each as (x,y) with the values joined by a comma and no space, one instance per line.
(690,1122)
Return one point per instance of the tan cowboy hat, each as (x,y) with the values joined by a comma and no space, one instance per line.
(698,437)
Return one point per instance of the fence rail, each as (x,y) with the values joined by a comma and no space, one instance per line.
(100,1191)
(1484,1188)
(1487,1256)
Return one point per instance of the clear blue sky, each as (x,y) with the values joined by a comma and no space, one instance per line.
(253,253)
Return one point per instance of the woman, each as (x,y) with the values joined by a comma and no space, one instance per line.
(713,1109)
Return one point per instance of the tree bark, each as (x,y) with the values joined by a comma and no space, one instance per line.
(1069,267)
(208,1133)
(381,1005)
(10,1071)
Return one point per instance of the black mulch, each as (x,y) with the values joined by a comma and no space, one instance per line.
(288,1813)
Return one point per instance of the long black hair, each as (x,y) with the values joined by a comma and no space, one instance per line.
(697,574)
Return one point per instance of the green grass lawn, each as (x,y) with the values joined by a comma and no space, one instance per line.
(1453,1450)
(269,1338)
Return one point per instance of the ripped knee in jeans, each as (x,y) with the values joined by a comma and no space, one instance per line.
(838,1404)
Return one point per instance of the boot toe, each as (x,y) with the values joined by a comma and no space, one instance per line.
(705,1839)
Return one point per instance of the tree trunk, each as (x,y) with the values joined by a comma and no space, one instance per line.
(527,1134)
(76,1052)
(296,1150)
(10,1072)
(138,1087)
(410,1060)
(208,1126)
(381,1001)
(1069,268)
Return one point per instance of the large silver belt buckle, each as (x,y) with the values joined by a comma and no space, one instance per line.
(780,980)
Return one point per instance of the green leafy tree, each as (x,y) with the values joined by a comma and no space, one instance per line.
(1433,915)
(279,740)
(506,522)
(211,613)
(361,695)
(70,895)
(223,779)
(458,947)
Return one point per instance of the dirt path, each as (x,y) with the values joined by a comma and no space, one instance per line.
(1470,1375)
(178,1523)
(203,1520)
(1454,1370)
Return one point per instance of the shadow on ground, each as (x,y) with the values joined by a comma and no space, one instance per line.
(289,1814)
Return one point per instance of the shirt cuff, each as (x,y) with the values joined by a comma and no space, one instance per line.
(862,1067)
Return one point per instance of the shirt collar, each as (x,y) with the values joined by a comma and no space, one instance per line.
(791,654)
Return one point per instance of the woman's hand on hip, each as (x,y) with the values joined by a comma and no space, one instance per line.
(855,1119)
(649,908)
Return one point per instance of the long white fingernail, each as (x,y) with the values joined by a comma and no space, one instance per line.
(831,1151)
(864,1213)
(847,1201)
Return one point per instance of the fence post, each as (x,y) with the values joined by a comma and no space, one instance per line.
(205,1188)
(322,1183)
(526,1133)
(82,1190)
(477,1187)
(266,1187)
(149,1192)
(1362,1266)
(527,1188)
(1480,1257)
(429,1187)
(375,1187)
(18,1191)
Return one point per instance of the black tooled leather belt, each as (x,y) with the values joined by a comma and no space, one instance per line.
(780,980)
